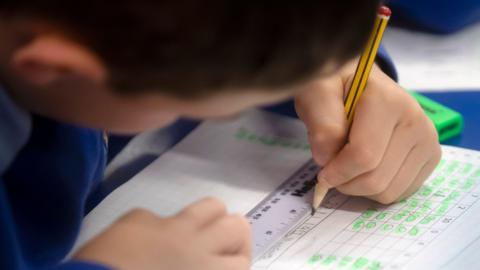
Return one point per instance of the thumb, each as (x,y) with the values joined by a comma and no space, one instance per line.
(320,106)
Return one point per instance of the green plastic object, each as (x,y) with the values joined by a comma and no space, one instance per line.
(448,122)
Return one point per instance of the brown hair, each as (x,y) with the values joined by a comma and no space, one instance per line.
(192,48)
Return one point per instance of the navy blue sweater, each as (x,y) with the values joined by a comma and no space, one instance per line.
(48,170)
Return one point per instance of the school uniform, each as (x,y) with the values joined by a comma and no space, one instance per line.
(47,172)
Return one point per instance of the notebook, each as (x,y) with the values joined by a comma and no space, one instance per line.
(242,161)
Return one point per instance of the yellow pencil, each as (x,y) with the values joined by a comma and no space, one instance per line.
(359,83)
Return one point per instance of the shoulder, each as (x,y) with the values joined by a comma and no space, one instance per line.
(15,128)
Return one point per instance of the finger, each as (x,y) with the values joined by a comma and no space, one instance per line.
(401,143)
(230,263)
(425,172)
(369,137)
(203,212)
(232,236)
(142,214)
(320,106)
(406,176)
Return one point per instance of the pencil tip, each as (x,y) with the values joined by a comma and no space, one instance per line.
(313,210)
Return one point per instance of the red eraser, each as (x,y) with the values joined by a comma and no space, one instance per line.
(385,11)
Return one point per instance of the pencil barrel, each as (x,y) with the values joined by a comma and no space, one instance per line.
(364,67)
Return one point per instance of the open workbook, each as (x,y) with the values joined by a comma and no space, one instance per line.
(244,160)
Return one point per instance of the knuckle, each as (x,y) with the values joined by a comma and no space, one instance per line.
(363,157)
(437,153)
(436,137)
(188,215)
(374,185)
(137,214)
(319,158)
(386,198)
(426,125)
(433,148)
(333,176)
(210,204)
(404,100)
(432,136)
(414,115)
(432,132)
(215,203)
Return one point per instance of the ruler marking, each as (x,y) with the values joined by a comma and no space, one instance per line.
(292,196)
(300,237)
(279,188)
(288,190)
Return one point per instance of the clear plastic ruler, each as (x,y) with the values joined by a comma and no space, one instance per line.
(283,209)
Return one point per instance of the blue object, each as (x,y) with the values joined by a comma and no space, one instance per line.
(438,16)
(15,127)
(468,104)
(48,171)
(384,61)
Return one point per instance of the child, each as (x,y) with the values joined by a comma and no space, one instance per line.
(71,69)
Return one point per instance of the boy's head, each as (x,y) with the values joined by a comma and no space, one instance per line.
(129,65)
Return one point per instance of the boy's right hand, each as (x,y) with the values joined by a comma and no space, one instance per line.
(202,236)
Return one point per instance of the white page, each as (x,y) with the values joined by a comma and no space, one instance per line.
(211,161)
(436,62)
(242,161)
(430,230)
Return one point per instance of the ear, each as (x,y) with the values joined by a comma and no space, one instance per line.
(46,59)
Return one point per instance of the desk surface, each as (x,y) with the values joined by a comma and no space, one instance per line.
(467,103)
